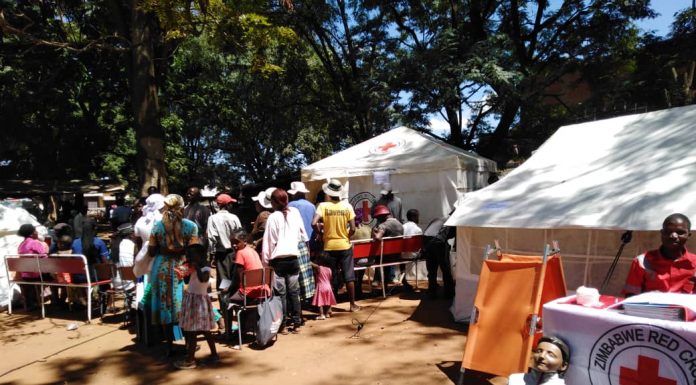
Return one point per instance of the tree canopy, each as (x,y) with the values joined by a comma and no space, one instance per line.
(228,92)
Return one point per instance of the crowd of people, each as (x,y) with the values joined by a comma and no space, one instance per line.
(176,244)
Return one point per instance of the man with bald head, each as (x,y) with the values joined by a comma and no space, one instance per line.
(670,268)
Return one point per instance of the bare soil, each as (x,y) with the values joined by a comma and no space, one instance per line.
(406,339)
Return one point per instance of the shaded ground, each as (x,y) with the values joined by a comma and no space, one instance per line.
(406,340)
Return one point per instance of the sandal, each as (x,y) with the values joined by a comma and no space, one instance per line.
(355,308)
(321,317)
(184,365)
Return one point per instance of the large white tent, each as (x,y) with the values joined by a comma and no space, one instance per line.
(584,187)
(426,173)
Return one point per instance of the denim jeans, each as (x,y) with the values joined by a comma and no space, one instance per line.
(287,286)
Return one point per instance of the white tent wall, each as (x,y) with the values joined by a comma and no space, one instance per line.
(432,194)
(426,174)
(11,218)
(583,187)
(586,255)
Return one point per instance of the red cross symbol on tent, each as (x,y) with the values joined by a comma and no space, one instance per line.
(385,147)
(647,373)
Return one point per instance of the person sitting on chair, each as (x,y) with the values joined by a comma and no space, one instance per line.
(670,268)
(550,361)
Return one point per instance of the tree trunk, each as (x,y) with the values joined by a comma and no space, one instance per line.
(149,133)
(493,149)
(456,137)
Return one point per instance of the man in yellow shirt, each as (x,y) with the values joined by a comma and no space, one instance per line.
(339,224)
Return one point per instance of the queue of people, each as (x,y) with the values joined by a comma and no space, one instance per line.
(176,243)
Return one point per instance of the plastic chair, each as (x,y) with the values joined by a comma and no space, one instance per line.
(259,277)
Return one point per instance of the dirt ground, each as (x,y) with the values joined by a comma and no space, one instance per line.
(406,339)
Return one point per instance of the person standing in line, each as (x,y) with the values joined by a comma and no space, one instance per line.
(284,231)
(262,202)
(393,203)
(411,228)
(197,213)
(78,219)
(339,225)
(221,225)
(121,214)
(152,212)
(324,297)
(307,210)
(437,249)
(168,241)
(197,313)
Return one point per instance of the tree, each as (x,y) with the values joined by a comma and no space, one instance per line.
(349,43)
(547,44)
(446,56)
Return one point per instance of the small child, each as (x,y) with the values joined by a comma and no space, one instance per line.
(550,361)
(323,296)
(197,314)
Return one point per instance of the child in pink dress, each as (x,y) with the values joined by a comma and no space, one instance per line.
(323,295)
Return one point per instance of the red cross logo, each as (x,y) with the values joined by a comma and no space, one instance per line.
(647,373)
(385,147)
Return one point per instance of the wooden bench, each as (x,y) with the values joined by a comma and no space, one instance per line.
(52,264)
(387,247)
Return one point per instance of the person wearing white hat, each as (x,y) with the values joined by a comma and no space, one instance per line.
(142,228)
(393,203)
(339,225)
(263,207)
(307,210)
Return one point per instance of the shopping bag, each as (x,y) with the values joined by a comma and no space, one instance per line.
(270,318)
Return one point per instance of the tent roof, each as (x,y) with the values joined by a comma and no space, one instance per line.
(628,172)
(401,150)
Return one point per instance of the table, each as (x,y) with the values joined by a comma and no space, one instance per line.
(610,348)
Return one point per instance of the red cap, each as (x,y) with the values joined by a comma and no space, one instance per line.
(224,199)
(381,210)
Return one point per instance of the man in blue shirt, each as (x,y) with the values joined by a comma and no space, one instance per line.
(306,208)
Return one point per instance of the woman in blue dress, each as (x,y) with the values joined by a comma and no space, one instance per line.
(168,241)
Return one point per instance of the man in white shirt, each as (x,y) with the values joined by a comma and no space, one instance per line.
(221,225)
(410,228)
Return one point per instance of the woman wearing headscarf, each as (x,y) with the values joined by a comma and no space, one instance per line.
(284,231)
(142,228)
(30,245)
(168,241)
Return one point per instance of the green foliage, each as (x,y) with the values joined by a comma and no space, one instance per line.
(249,91)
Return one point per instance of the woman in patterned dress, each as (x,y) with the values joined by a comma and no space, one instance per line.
(168,241)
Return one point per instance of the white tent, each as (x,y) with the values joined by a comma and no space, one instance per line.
(12,216)
(587,184)
(426,173)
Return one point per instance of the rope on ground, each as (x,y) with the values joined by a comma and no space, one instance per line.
(360,325)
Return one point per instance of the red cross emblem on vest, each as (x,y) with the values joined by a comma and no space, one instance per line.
(647,373)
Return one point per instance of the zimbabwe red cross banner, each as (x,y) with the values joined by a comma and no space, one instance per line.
(610,348)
